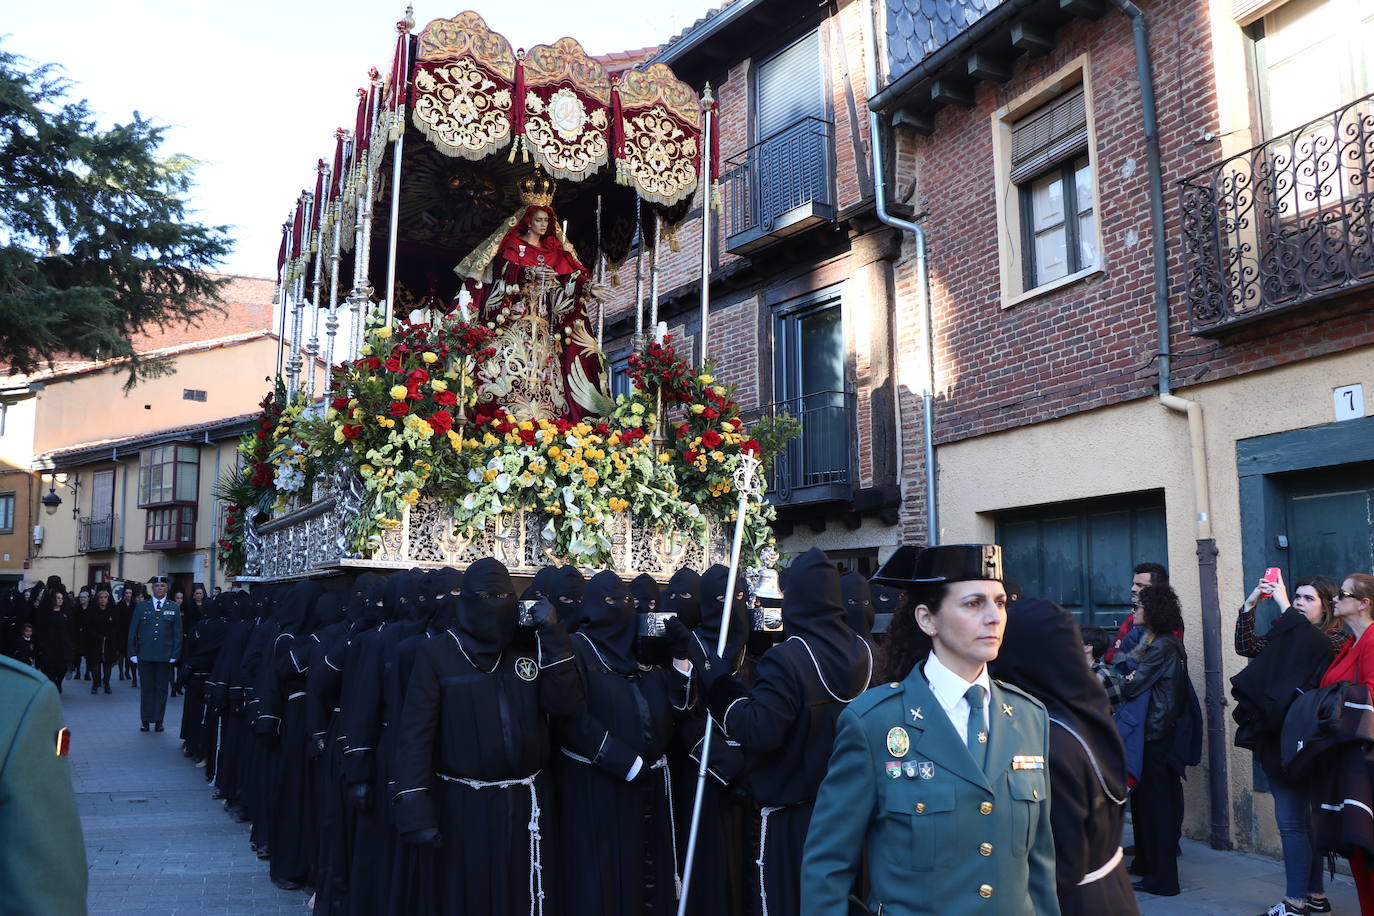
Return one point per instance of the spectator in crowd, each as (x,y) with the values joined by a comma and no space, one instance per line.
(77,612)
(1132,628)
(22,649)
(53,632)
(1160,670)
(1096,641)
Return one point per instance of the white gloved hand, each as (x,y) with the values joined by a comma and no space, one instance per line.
(133,659)
(171,661)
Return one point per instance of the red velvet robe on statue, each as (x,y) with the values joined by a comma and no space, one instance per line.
(547,363)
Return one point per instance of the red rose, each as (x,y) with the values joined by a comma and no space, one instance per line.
(562,425)
(399,409)
(684,431)
(690,455)
(413,391)
(372,364)
(350,431)
(339,403)
(751,447)
(710,438)
(710,413)
(446,399)
(631,436)
(442,421)
(527,435)
(417,376)
(393,365)
(602,429)
(481,419)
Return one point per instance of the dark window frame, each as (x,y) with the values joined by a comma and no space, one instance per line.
(1067,170)
(13,499)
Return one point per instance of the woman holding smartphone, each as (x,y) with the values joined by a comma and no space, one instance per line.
(1291,656)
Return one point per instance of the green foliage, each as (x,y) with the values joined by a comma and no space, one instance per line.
(773,433)
(96,242)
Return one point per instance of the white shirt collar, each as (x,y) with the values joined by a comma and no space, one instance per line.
(949,688)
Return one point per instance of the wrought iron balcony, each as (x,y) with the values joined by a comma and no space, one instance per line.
(1286,223)
(97,534)
(780,186)
(816,466)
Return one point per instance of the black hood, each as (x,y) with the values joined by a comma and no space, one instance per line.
(487,612)
(858,604)
(540,584)
(813,609)
(608,621)
(292,607)
(328,609)
(644,590)
(682,596)
(448,580)
(360,609)
(887,601)
(567,585)
(712,586)
(1042,653)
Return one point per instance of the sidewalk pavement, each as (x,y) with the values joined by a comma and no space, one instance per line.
(1217,883)
(156,843)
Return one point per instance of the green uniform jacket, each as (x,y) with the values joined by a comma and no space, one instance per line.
(941,836)
(155,636)
(42,856)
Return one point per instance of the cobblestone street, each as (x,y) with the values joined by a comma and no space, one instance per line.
(155,840)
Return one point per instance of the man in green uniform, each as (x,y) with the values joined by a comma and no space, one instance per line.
(154,640)
(940,774)
(42,857)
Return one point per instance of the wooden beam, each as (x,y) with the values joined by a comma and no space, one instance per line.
(921,122)
(945,91)
(1089,9)
(1032,39)
(985,66)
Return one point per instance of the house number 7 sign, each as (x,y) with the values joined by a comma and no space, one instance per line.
(1349,402)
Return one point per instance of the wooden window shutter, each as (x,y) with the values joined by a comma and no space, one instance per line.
(1049,134)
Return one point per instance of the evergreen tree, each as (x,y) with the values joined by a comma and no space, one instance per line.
(95,243)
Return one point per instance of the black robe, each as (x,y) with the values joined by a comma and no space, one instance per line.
(199,723)
(785,720)
(619,853)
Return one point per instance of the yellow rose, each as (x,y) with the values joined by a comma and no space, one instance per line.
(698,408)
(366,350)
(727,427)
(665,457)
(439,384)
(338,434)
(719,391)
(555,452)
(705,379)
(429,357)
(383,332)
(397,392)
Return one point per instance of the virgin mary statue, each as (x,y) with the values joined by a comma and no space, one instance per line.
(528,286)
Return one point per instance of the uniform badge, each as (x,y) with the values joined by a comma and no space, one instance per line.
(894,769)
(898,742)
(909,769)
(926,768)
(1006,710)
(526,669)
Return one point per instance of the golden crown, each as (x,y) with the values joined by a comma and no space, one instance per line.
(536,190)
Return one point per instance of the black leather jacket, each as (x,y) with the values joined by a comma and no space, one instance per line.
(1163,670)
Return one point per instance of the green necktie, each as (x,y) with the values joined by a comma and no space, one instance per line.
(977,732)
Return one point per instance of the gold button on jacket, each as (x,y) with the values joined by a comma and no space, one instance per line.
(985,890)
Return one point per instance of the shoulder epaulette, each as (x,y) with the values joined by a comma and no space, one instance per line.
(1012,688)
(874,696)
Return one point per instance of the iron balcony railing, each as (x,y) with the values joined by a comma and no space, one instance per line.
(816,465)
(97,533)
(783,178)
(1288,222)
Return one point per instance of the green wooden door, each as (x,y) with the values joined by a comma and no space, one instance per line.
(1080,555)
(1330,523)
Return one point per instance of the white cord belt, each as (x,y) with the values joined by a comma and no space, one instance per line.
(298,693)
(763,844)
(1104,871)
(536,863)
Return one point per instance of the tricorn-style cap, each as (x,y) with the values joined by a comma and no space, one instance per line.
(154,580)
(911,566)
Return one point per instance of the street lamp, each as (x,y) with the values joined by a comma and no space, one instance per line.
(51,500)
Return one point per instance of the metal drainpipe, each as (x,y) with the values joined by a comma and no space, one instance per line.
(1218,777)
(922,287)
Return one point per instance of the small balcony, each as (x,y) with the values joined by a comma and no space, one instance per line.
(780,186)
(1285,224)
(815,467)
(170,527)
(96,534)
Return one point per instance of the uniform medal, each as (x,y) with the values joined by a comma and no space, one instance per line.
(898,742)
(894,769)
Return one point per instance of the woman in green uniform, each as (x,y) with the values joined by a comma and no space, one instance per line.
(939,775)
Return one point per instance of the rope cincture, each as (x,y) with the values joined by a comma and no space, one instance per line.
(536,885)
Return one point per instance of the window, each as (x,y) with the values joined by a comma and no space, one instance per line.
(1053,176)
(168,474)
(170,527)
(6,513)
(621,383)
(1310,59)
(192,394)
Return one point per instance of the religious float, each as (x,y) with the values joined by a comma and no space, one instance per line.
(463,236)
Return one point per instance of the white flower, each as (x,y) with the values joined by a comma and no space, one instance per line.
(475,476)
(470,501)
(502,482)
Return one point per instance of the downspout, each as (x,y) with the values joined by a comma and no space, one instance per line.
(1218,777)
(123,506)
(922,292)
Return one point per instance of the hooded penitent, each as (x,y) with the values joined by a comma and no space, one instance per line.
(886,602)
(565,593)
(644,590)
(329,609)
(682,596)
(712,587)
(539,585)
(858,603)
(812,609)
(447,583)
(1042,653)
(608,621)
(487,612)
